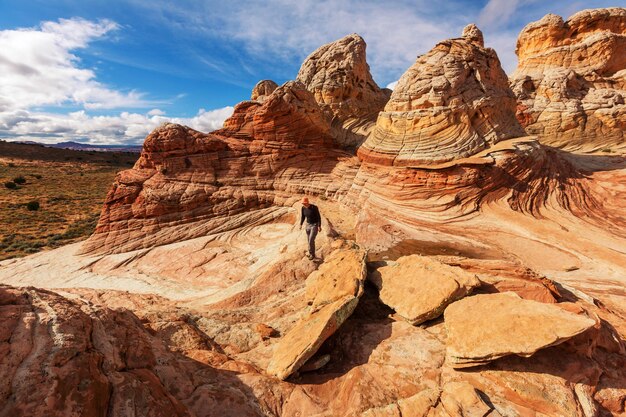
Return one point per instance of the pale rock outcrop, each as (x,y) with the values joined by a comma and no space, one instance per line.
(489,326)
(262,89)
(453,102)
(334,291)
(419,288)
(460,399)
(338,75)
(570,81)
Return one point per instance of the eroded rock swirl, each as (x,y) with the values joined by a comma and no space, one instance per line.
(194,297)
(452,103)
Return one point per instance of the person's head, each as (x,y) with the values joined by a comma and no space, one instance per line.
(305,201)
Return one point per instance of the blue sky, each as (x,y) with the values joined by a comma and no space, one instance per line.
(110,71)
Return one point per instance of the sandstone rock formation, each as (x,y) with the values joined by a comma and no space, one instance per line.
(194,292)
(64,357)
(263,89)
(334,291)
(338,75)
(184,176)
(487,327)
(570,82)
(419,288)
(452,103)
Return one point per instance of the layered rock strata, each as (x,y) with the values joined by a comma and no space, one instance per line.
(453,102)
(570,81)
(339,77)
(210,222)
(266,153)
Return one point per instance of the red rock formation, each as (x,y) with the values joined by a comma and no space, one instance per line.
(266,153)
(63,356)
(207,221)
(570,81)
(452,103)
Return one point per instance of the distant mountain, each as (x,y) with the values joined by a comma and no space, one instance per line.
(88,147)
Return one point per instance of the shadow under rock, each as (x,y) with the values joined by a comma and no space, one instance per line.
(602,369)
(592,162)
(352,345)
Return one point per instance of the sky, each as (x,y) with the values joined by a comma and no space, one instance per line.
(109,71)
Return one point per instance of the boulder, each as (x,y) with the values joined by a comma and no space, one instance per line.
(419,288)
(489,326)
(334,291)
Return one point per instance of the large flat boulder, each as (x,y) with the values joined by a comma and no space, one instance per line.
(333,292)
(420,288)
(489,326)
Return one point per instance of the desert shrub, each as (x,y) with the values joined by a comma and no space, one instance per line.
(38,176)
(10,185)
(80,228)
(11,164)
(19,180)
(33,205)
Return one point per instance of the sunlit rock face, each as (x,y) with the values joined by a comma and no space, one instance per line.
(339,77)
(453,102)
(194,295)
(266,154)
(570,82)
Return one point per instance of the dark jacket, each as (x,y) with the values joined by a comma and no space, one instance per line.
(311,214)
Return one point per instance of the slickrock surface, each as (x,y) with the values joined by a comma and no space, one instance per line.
(338,75)
(420,288)
(487,327)
(570,82)
(334,291)
(453,102)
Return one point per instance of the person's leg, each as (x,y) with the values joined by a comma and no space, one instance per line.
(308,236)
(312,236)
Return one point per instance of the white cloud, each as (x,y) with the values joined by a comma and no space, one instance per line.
(272,32)
(39,69)
(125,128)
(497,13)
(392,85)
(156,112)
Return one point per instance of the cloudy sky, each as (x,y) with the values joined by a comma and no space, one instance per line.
(109,71)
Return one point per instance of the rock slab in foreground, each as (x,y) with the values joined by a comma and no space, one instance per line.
(334,291)
(489,326)
(420,288)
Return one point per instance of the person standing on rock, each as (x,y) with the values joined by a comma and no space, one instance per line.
(311,213)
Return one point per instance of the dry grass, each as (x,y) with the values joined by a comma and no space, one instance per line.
(70,187)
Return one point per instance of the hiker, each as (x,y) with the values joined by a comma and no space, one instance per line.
(313,223)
